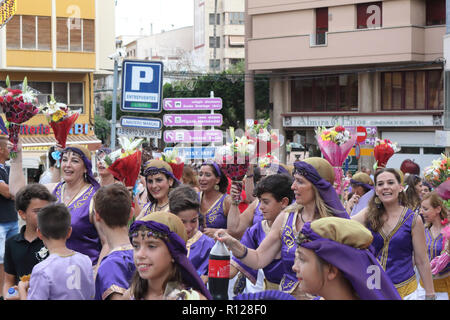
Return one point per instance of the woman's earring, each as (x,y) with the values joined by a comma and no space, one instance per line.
(377,202)
(216,187)
(85,177)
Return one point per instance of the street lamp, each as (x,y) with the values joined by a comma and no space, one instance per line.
(117,57)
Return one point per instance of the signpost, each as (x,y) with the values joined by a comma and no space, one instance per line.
(192,136)
(139,132)
(194,153)
(192,120)
(142,86)
(139,122)
(185,104)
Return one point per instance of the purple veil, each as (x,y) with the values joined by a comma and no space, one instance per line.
(87,163)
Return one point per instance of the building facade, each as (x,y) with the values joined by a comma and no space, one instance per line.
(376,64)
(218,43)
(61,47)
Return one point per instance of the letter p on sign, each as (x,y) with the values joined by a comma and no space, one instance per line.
(140,75)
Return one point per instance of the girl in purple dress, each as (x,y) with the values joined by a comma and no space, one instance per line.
(163,271)
(183,202)
(399,235)
(436,219)
(76,191)
(315,198)
(214,201)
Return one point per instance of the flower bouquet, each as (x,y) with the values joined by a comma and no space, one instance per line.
(125,163)
(60,118)
(335,144)
(383,151)
(438,172)
(234,157)
(19,106)
(175,162)
(265,139)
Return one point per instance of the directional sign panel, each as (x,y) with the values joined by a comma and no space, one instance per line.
(139,122)
(142,86)
(139,132)
(194,153)
(184,104)
(186,120)
(192,136)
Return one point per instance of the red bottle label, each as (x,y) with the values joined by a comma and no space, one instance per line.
(219,269)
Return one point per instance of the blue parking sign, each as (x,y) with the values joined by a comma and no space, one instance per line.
(142,86)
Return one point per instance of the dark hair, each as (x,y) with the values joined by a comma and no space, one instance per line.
(113,204)
(54,221)
(376,211)
(30,192)
(174,185)
(183,198)
(50,158)
(279,185)
(223,183)
(412,198)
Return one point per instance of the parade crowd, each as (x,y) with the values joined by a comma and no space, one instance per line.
(291,230)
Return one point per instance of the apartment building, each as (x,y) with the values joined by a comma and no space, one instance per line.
(376,64)
(218,42)
(61,46)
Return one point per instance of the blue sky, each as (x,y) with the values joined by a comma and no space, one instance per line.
(134,15)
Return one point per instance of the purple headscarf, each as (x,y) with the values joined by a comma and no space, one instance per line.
(325,189)
(177,248)
(87,163)
(215,166)
(358,266)
(358,183)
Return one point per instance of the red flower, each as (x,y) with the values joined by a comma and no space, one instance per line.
(255,122)
(444,222)
(340,129)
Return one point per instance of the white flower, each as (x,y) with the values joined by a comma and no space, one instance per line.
(43,253)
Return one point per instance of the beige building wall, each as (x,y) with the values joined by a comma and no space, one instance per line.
(105,35)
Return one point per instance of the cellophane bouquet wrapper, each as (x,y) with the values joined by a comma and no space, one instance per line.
(335,144)
(19,106)
(265,140)
(175,162)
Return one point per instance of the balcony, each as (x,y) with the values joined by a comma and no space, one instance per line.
(368,46)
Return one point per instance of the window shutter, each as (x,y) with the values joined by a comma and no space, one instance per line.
(13,33)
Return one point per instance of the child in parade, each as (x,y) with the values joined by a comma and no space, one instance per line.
(112,205)
(333,261)
(275,194)
(24,250)
(65,274)
(163,270)
(183,202)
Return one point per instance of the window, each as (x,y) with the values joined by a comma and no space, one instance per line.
(211,19)
(330,93)
(435,12)
(214,64)
(433,150)
(214,42)
(236,17)
(321,25)
(29,33)
(236,41)
(412,90)
(369,15)
(75,35)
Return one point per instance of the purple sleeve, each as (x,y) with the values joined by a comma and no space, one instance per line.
(39,286)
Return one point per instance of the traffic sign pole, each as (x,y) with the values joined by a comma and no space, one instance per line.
(114,106)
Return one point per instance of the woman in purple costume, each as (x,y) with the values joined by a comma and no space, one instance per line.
(399,236)
(160,181)
(315,198)
(214,201)
(333,261)
(76,192)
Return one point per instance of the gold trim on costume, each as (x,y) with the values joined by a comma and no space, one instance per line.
(193,240)
(407,287)
(113,289)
